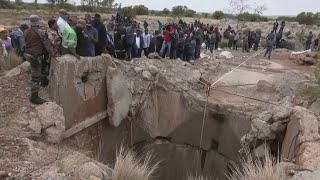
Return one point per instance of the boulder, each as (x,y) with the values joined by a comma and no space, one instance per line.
(226,54)
(50,114)
(309,155)
(263,130)
(53,134)
(146,75)
(281,54)
(24,67)
(154,56)
(264,86)
(265,116)
(307,175)
(53,175)
(315,107)
(153,70)
(119,96)
(35,126)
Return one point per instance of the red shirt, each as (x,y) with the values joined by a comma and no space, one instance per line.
(167,37)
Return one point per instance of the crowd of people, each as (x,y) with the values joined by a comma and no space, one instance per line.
(89,37)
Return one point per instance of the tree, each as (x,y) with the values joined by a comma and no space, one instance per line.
(218,15)
(107,3)
(166,11)
(183,11)
(141,10)
(129,12)
(241,6)
(307,18)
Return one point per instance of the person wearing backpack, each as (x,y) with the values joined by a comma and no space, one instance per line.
(18,41)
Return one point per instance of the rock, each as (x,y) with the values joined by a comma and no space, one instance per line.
(263,130)
(94,178)
(307,175)
(315,107)
(281,54)
(303,127)
(146,75)
(53,134)
(265,116)
(51,114)
(196,75)
(119,96)
(153,70)
(137,69)
(285,169)
(192,62)
(282,114)
(53,175)
(309,60)
(264,86)
(90,169)
(278,127)
(35,126)
(261,150)
(154,56)
(24,67)
(309,155)
(226,54)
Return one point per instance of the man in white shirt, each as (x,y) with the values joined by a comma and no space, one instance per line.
(62,21)
(139,44)
(146,42)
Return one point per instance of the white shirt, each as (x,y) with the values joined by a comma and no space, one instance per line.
(138,42)
(146,40)
(62,24)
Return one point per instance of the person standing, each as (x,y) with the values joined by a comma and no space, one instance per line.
(245,46)
(62,21)
(146,42)
(130,41)
(278,38)
(17,39)
(92,35)
(316,44)
(37,45)
(309,40)
(53,37)
(283,24)
(100,46)
(138,44)
(231,39)
(275,26)
(166,45)
(257,37)
(236,40)
(212,41)
(270,44)
(69,42)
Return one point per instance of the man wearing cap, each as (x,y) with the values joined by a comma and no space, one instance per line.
(17,39)
(62,21)
(37,45)
(100,46)
(92,34)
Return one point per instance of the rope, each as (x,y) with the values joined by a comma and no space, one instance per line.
(209,86)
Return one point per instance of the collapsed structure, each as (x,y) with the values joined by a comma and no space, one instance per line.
(158,105)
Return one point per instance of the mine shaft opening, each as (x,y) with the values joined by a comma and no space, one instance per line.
(169,126)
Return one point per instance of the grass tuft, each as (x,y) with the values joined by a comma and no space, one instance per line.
(10,62)
(253,168)
(129,166)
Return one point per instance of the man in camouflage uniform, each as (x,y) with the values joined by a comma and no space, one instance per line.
(37,46)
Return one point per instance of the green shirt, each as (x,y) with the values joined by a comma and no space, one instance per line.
(69,38)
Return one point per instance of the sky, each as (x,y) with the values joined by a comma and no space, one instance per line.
(275,7)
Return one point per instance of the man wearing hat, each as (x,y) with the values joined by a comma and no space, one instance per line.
(92,34)
(17,39)
(62,21)
(37,45)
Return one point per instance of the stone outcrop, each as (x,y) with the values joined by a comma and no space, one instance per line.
(24,67)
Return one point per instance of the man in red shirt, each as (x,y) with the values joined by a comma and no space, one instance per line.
(166,45)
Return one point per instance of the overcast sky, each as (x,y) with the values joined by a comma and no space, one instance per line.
(275,7)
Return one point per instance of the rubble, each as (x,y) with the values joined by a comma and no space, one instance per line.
(22,68)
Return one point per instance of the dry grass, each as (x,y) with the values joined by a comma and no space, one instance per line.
(252,168)
(129,166)
(199,178)
(10,62)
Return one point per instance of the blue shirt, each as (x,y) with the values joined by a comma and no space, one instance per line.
(91,32)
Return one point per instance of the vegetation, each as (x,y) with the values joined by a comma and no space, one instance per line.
(141,10)
(183,11)
(252,168)
(218,15)
(252,17)
(129,166)
(308,18)
(129,12)
(9,62)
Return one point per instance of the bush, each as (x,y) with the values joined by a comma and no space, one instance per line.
(218,15)
(129,166)
(166,11)
(307,18)
(252,17)
(141,10)
(287,18)
(10,62)
(183,11)
(129,12)
(224,43)
(252,168)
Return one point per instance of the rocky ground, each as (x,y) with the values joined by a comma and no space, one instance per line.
(260,85)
